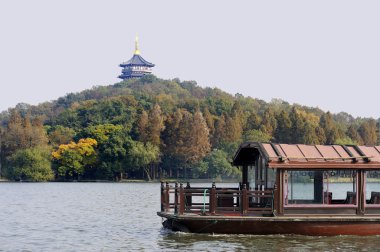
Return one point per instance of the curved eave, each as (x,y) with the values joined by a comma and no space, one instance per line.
(137,60)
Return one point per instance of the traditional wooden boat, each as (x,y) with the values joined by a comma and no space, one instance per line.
(285,189)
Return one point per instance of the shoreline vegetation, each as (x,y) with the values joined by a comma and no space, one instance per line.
(150,128)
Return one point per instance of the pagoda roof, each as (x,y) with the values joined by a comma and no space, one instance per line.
(137,60)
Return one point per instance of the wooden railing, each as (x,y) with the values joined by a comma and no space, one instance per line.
(212,200)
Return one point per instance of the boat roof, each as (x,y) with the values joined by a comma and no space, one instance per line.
(301,156)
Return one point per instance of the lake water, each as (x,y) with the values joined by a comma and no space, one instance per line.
(122,217)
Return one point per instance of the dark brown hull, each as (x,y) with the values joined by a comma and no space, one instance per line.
(316,226)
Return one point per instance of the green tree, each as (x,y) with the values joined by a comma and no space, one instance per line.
(330,128)
(32,164)
(112,143)
(253,121)
(219,166)
(283,132)
(140,156)
(256,136)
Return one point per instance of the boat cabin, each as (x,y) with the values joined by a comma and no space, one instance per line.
(287,182)
(314,179)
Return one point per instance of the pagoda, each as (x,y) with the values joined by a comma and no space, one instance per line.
(136,67)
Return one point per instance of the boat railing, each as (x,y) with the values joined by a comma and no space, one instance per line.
(180,199)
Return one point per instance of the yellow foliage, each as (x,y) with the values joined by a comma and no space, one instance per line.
(85,147)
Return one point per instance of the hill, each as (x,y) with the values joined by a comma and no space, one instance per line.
(150,127)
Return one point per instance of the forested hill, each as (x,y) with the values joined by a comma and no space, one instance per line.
(152,128)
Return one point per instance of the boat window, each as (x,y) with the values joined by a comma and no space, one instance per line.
(320,187)
(251,177)
(261,177)
(373,187)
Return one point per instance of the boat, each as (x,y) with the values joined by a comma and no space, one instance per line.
(317,190)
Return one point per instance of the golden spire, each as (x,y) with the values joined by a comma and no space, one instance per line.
(137,50)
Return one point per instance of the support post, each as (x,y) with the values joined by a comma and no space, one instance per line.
(245,175)
(244,200)
(280,192)
(188,198)
(162,197)
(176,198)
(167,197)
(212,200)
(181,199)
(361,199)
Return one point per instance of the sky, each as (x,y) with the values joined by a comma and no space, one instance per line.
(321,53)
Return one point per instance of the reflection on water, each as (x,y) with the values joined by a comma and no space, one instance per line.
(122,217)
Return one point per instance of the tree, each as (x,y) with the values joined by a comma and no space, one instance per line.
(198,138)
(352,133)
(253,121)
(112,143)
(283,132)
(330,128)
(220,132)
(155,126)
(209,120)
(141,155)
(32,164)
(60,135)
(269,122)
(142,127)
(186,138)
(256,136)
(73,158)
(367,131)
(219,166)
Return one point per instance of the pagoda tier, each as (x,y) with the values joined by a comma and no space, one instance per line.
(136,67)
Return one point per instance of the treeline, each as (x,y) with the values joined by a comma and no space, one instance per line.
(152,128)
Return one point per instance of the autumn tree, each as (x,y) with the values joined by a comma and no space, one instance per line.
(155,125)
(352,132)
(187,137)
(60,135)
(269,122)
(73,158)
(367,131)
(142,127)
(220,132)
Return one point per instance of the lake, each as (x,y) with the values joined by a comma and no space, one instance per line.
(122,217)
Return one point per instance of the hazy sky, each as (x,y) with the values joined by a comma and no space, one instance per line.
(315,53)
